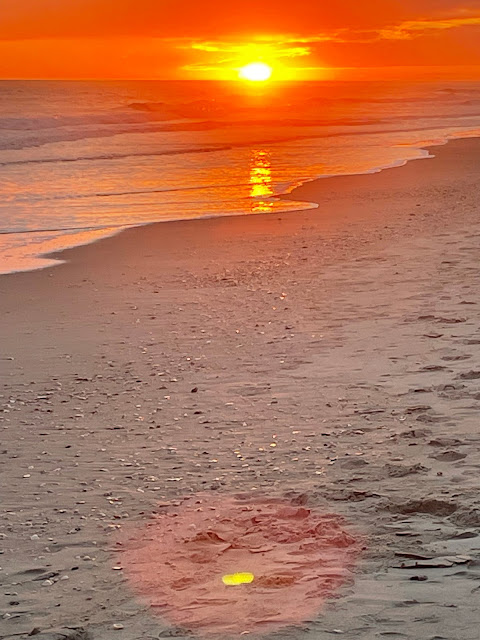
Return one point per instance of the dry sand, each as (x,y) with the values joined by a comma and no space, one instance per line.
(330,358)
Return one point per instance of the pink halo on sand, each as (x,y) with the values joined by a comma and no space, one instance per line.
(299,558)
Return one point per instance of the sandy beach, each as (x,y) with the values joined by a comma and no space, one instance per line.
(327,359)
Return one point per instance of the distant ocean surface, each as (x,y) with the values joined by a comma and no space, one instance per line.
(82,160)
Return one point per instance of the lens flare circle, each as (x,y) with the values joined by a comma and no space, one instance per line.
(256,72)
(219,565)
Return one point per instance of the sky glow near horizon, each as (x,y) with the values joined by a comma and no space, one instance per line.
(213,39)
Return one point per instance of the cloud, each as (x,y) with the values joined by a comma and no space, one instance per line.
(168,37)
(417,28)
(295,46)
(259,48)
(233,52)
(224,57)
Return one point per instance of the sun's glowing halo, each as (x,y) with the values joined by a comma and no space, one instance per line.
(256,72)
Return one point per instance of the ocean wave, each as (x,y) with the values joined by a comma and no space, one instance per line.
(11,232)
(133,192)
(30,138)
(214,147)
(55,122)
(117,156)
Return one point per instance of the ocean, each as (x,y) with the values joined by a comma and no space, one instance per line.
(83,160)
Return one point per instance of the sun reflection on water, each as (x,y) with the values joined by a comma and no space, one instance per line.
(261,181)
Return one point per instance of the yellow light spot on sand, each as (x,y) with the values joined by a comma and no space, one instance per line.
(238,578)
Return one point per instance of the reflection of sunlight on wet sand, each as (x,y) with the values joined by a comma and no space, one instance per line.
(17,255)
(261,181)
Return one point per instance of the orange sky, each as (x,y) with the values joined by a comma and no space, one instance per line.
(211,38)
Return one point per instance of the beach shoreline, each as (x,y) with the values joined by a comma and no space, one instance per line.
(22,259)
(319,191)
(329,356)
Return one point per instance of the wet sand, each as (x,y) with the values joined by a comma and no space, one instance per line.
(166,361)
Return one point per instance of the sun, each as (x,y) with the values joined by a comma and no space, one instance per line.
(256,72)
